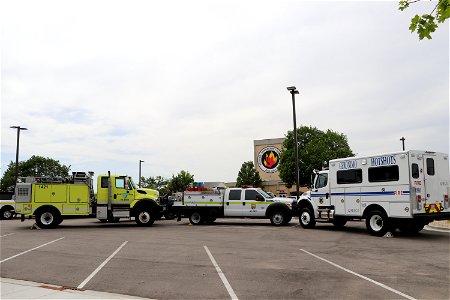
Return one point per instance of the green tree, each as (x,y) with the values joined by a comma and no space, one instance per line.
(35,166)
(180,182)
(248,175)
(158,183)
(427,23)
(314,148)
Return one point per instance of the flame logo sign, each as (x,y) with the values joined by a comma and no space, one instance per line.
(268,159)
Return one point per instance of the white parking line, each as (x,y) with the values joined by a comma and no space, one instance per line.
(101,266)
(30,250)
(361,276)
(6,234)
(221,275)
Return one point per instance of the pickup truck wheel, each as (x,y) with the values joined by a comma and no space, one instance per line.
(377,223)
(278,218)
(6,213)
(48,218)
(144,217)
(196,218)
(306,218)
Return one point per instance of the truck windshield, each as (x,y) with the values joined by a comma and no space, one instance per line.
(264,194)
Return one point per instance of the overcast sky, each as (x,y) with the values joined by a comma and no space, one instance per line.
(188,85)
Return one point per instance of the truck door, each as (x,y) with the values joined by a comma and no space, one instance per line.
(320,194)
(121,193)
(254,204)
(233,203)
(434,190)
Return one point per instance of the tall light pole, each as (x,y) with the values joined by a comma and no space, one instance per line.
(293,91)
(140,162)
(17,150)
(403,143)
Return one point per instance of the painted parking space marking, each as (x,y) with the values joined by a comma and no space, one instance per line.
(6,235)
(6,259)
(221,275)
(361,276)
(101,266)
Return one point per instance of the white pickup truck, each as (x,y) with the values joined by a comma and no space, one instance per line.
(206,206)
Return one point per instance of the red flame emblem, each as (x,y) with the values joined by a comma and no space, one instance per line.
(271,160)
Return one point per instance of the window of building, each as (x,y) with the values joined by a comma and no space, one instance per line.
(383,174)
(235,195)
(415,171)
(349,176)
(430,166)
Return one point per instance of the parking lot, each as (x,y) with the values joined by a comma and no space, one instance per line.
(234,258)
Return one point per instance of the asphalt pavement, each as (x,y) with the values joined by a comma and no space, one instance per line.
(246,259)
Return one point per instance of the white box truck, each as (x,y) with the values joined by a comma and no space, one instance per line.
(404,190)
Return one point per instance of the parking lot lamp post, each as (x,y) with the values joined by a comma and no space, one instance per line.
(403,143)
(293,90)
(17,150)
(140,162)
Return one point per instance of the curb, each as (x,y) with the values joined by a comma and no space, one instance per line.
(22,289)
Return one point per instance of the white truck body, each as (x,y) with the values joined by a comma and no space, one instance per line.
(7,209)
(206,206)
(409,189)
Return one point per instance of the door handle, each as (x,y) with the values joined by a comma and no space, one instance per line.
(228,203)
(115,196)
(243,203)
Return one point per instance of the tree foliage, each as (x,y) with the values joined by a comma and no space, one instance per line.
(248,175)
(180,182)
(35,166)
(314,148)
(158,183)
(427,23)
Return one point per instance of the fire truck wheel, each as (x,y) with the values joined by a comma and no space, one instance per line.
(169,216)
(339,222)
(48,218)
(145,217)
(377,223)
(196,218)
(411,228)
(7,213)
(306,218)
(278,218)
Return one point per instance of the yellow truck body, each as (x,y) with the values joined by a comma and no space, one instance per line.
(50,200)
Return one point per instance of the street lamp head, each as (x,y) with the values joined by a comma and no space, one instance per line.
(141,161)
(292,89)
(18,127)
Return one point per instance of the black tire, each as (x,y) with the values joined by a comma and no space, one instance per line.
(169,216)
(144,217)
(411,228)
(103,220)
(339,222)
(196,218)
(278,218)
(377,223)
(210,220)
(306,218)
(6,213)
(48,217)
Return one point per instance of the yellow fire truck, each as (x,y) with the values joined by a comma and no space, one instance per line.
(50,200)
